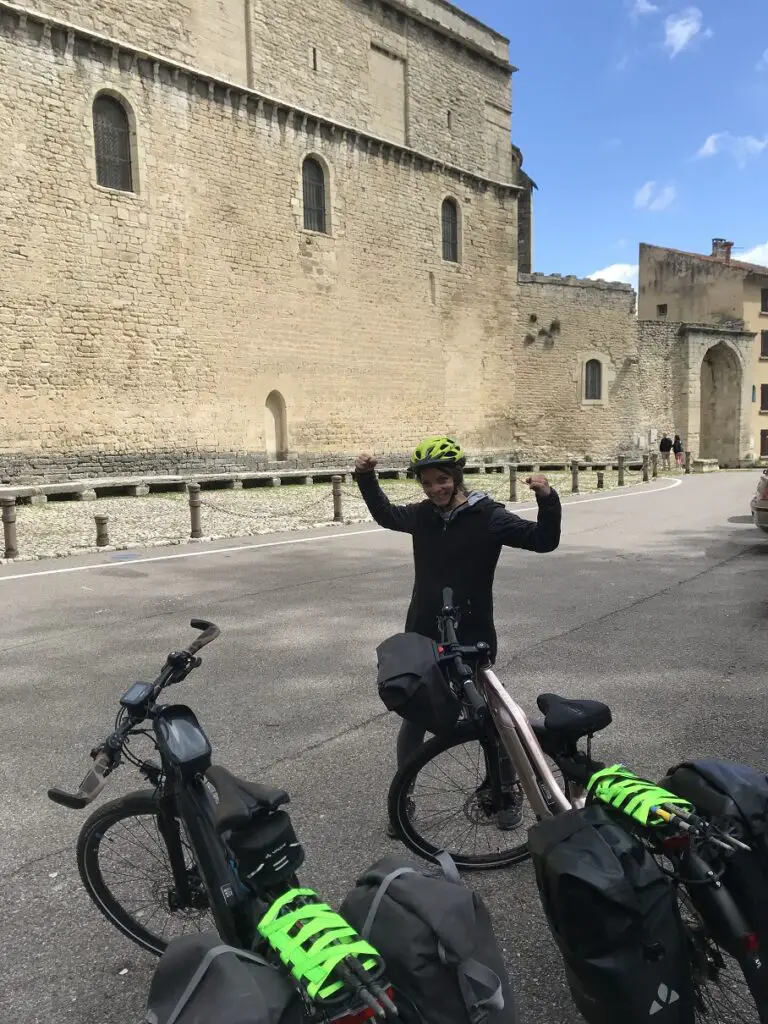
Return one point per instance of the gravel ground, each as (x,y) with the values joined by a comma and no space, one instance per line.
(61,528)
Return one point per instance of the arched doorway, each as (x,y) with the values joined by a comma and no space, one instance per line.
(720,405)
(276,427)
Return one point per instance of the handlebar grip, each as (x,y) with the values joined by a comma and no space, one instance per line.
(210,632)
(90,787)
(473,696)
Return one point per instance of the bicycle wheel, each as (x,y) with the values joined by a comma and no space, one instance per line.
(440,800)
(125,866)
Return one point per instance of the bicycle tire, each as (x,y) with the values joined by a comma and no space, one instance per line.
(139,804)
(400,795)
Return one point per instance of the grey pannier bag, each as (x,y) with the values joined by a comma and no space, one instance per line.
(200,979)
(437,940)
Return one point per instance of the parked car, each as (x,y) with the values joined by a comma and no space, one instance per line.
(760,503)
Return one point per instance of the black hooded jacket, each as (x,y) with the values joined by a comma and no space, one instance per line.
(461,551)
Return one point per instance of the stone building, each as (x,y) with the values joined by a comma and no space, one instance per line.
(244,231)
(730,298)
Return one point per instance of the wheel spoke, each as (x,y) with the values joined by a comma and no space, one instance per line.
(445,803)
(128,874)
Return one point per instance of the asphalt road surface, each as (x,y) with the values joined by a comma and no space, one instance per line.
(656,602)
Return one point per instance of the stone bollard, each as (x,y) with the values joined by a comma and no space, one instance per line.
(338,515)
(9,528)
(102,532)
(688,462)
(574,477)
(196,531)
(646,461)
(620,467)
(655,465)
(600,480)
(513,483)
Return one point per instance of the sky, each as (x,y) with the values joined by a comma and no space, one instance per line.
(639,121)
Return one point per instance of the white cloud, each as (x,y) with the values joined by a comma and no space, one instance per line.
(626,273)
(641,7)
(681,29)
(710,147)
(649,197)
(757,255)
(762,64)
(740,147)
(643,195)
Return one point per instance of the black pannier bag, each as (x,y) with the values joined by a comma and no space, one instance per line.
(412,683)
(614,916)
(437,940)
(734,797)
(200,979)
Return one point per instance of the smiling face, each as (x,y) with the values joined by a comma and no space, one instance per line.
(438,485)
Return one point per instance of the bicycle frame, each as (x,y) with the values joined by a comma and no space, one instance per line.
(225,890)
(713,902)
(523,748)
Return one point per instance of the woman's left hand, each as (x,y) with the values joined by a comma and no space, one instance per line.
(539,485)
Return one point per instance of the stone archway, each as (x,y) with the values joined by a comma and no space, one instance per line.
(276,427)
(721,385)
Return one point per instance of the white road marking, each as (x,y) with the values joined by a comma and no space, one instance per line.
(571,503)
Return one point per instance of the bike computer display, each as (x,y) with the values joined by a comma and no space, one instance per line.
(137,697)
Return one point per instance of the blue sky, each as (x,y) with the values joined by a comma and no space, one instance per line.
(640,121)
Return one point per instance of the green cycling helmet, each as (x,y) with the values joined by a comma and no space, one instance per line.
(437,451)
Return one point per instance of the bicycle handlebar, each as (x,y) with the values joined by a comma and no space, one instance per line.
(209,634)
(106,757)
(89,788)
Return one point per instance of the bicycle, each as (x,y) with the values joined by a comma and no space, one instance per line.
(215,850)
(507,751)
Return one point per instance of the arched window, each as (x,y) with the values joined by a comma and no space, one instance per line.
(315,215)
(276,424)
(593,381)
(112,140)
(450,220)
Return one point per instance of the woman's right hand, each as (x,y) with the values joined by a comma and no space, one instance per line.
(365,463)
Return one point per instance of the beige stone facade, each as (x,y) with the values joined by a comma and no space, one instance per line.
(151,326)
(716,290)
(309,243)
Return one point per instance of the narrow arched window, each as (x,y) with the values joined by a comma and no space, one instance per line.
(112,141)
(276,434)
(593,381)
(450,231)
(315,213)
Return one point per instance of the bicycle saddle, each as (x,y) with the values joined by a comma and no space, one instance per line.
(572,719)
(240,801)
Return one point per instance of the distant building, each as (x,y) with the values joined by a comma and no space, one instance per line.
(716,290)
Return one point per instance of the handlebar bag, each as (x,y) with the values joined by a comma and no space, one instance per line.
(412,684)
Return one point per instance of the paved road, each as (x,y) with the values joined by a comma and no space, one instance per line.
(655,602)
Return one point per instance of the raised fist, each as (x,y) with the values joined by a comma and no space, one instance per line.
(365,463)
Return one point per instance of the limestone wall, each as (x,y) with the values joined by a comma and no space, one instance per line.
(563,324)
(148,329)
(415,71)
